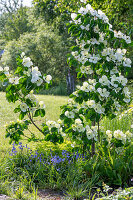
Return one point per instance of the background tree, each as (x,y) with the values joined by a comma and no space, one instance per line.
(47,50)
(9,6)
(47,20)
(119,12)
(14,24)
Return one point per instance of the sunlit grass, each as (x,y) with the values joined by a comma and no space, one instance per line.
(53,110)
(52,104)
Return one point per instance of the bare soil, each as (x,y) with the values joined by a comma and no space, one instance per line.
(50,195)
(42,195)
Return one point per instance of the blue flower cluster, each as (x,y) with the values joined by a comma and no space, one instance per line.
(51,159)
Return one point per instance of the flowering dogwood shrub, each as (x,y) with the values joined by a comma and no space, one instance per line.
(99,56)
(21,86)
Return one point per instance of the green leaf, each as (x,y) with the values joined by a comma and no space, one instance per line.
(42,112)
(75,48)
(16,110)
(37,113)
(21,116)
(71,28)
(79,75)
(87,21)
(111,34)
(18,70)
(7,135)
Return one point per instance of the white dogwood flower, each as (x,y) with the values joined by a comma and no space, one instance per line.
(69,114)
(103,92)
(22,55)
(39,81)
(127,62)
(1,69)
(104,80)
(90,103)
(6,69)
(24,107)
(41,104)
(27,62)
(73,16)
(119,135)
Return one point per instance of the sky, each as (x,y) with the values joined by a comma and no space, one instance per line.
(27,2)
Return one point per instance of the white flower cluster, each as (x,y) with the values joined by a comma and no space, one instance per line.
(27,61)
(5,70)
(106,91)
(118,79)
(52,124)
(88,86)
(69,114)
(85,56)
(72,103)
(103,92)
(36,76)
(91,132)
(36,105)
(14,80)
(120,35)
(57,125)
(113,83)
(98,15)
(94,41)
(92,104)
(117,56)
(86,70)
(119,135)
(78,126)
(94,58)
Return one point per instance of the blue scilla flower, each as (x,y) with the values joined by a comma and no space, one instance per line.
(77,156)
(35,156)
(20,147)
(64,152)
(63,159)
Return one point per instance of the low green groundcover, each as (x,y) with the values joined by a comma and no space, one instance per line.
(120,195)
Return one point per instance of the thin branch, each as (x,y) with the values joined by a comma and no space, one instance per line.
(29,115)
(98,132)
(26,136)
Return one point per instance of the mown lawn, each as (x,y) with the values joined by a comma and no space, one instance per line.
(52,104)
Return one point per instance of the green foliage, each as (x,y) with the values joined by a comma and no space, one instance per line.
(20,88)
(89,103)
(119,194)
(119,13)
(15,24)
(45,47)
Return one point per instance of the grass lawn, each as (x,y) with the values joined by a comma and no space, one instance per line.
(23,172)
(52,103)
